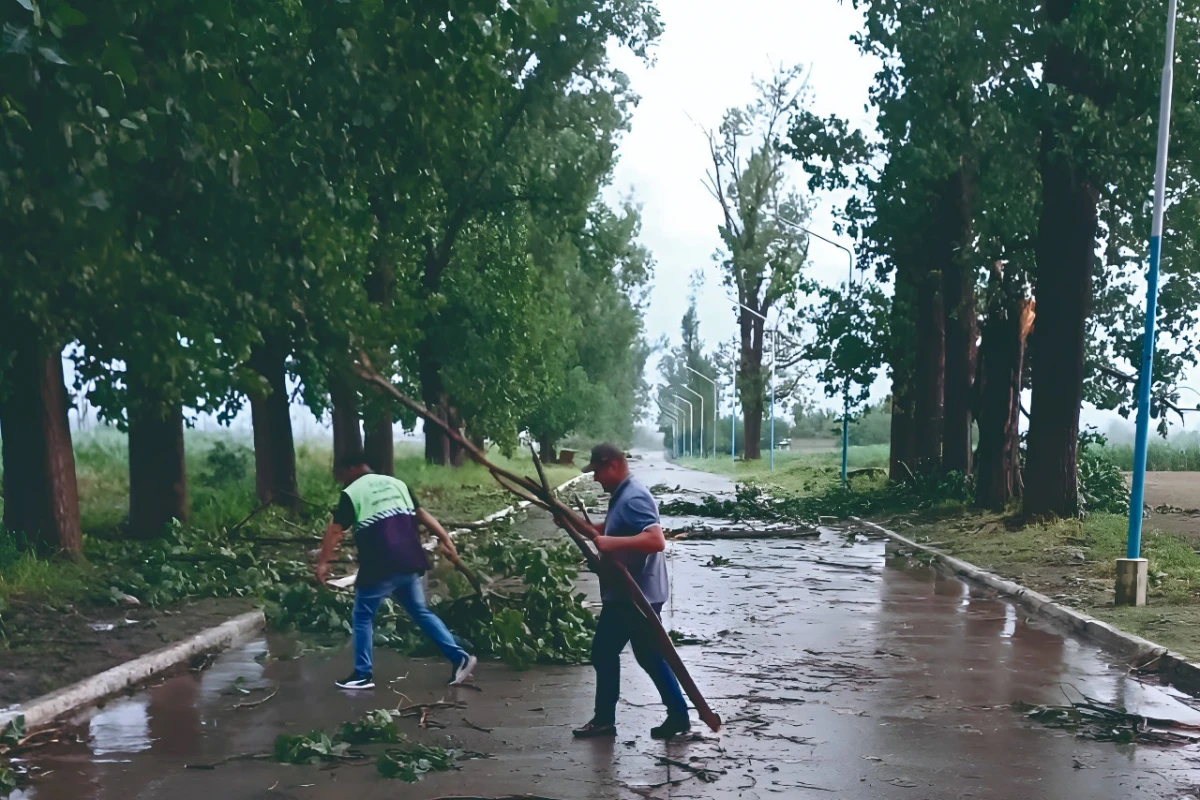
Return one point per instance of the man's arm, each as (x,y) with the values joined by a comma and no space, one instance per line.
(329,543)
(426,519)
(648,541)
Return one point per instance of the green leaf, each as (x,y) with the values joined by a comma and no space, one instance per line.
(50,55)
(259,121)
(117,59)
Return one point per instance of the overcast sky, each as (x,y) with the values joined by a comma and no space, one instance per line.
(706,62)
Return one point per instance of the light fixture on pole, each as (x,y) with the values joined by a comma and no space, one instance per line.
(846,383)
(693,391)
(774,359)
(1132,570)
(691,420)
(716,408)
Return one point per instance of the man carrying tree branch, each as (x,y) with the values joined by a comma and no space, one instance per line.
(632,535)
(391,561)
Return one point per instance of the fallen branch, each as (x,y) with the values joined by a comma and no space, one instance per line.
(228,759)
(247,518)
(579,530)
(473,726)
(703,773)
(257,703)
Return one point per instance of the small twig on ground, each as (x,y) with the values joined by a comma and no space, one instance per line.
(703,773)
(238,526)
(257,703)
(227,759)
(472,725)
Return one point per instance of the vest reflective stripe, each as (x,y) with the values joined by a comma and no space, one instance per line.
(377,497)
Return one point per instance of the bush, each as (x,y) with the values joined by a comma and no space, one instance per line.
(1102,487)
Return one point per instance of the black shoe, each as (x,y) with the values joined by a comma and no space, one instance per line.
(356,681)
(595,730)
(674,726)
(462,670)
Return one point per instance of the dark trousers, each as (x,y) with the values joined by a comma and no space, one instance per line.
(621,623)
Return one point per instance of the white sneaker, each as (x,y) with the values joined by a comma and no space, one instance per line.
(356,681)
(462,671)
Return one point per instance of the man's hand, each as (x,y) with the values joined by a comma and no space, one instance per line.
(321,570)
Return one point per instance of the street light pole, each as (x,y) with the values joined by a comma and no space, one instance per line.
(846,384)
(1132,570)
(693,391)
(716,408)
(774,361)
(671,414)
(691,421)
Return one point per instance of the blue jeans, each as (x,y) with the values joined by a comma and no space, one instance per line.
(406,590)
(621,623)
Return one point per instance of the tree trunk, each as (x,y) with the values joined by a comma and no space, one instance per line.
(274,448)
(41,498)
(546,448)
(903,432)
(902,449)
(158,489)
(751,383)
(1001,361)
(958,309)
(433,396)
(1066,245)
(928,376)
(380,449)
(347,435)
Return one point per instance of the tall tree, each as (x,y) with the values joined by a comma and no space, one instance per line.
(763,251)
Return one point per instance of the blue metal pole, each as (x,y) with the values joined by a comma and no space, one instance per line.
(1137,494)
(845,429)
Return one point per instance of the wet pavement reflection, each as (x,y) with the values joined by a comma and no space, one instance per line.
(840,668)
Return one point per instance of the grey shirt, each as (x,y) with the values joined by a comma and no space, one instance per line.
(630,511)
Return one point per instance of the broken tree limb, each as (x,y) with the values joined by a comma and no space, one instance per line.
(579,531)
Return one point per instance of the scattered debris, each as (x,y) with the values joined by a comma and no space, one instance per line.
(680,639)
(256,703)
(1092,719)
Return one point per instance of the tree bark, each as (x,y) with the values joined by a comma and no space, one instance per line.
(751,383)
(928,377)
(1065,251)
(158,489)
(959,324)
(347,434)
(41,497)
(380,449)
(901,456)
(270,410)
(546,448)
(1001,362)
(902,334)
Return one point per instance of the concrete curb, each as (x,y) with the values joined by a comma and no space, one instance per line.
(89,691)
(1172,666)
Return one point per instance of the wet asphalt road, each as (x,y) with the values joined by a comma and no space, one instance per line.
(839,669)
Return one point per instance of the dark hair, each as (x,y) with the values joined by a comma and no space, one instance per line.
(350,461)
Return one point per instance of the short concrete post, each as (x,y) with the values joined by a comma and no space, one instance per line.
(1132,574)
